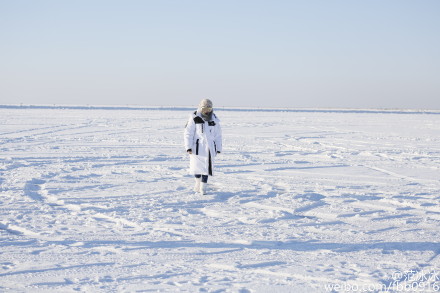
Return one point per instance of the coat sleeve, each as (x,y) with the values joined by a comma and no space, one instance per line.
(218,138)
(188,136)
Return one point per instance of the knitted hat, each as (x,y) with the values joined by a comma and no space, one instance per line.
(205,103)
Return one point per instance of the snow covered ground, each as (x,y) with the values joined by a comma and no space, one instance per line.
(96,200)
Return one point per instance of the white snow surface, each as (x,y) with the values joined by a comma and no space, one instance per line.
(100,200)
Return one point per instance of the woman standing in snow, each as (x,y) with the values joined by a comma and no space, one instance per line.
(203,141)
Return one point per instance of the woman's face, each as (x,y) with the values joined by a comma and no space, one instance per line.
(206,110)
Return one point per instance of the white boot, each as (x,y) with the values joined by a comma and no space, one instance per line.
(203,187)
(197,185)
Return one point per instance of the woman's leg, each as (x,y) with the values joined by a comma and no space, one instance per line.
(198,179)
(203,184)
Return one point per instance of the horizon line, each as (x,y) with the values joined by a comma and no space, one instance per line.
(221,108)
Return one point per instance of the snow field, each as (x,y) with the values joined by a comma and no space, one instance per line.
(100,201)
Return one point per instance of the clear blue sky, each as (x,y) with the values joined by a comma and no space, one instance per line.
(310,53)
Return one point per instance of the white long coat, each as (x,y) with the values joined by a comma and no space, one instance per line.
(204,138)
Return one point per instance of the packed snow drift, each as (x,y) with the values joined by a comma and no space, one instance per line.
(100,200)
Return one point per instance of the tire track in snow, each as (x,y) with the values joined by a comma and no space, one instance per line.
(16,230)
(400,176)
(36,190)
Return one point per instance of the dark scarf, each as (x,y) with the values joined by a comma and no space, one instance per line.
(207,117)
